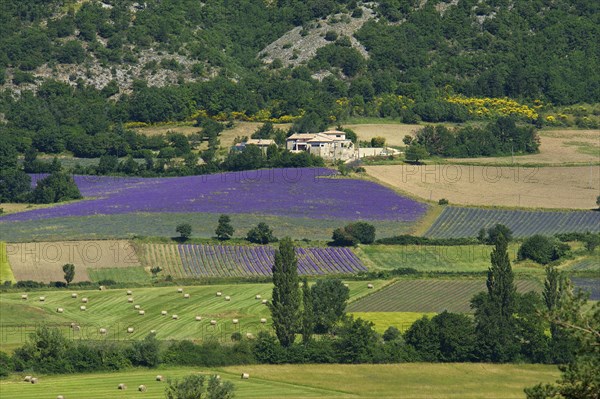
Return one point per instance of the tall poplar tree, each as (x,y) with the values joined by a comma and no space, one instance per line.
(496,325)
(285,303)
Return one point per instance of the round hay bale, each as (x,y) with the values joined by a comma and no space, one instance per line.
(101,288)
(122,387)
(263,320)
(137,307)
(130,330)
(73,325)
(213,322)
(235,321)
(175,317)
(245,376)
(163,313)
(219,293)
(369,285)
(34,380)
(24,296)
(84,300)
(130,300)
(198,318)
(264,301)
(159,378)
(42,298)
(179,290)
(76,328)
(218,377)
(249,336)
(228,298)
(59,310)
(103,331)
(129,292)
(346,285)
(152,331)
(82,308)
(74,295)
(27,378)
(60,397)
(186,296)
(141,312)
(257,297)
(142,388)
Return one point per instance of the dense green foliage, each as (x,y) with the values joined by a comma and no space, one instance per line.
(69,270)
(354,233)
(501,137)
(329,299)
(192,387)
(285,305)
(261,234)
(184,230)
(542,249)
(224,230)
(520,49)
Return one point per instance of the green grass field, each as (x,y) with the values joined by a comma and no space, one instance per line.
(429,295)
(163,225)
(429,258)
(110,309)
(382,320)
(120,274)
(6,273)
(410,380)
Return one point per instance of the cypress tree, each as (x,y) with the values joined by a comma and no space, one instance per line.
(285,304)
(496,326)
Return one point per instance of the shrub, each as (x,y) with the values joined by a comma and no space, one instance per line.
(542,249)
(331,36)
(443,201)
(363,232)
(261,234)
(184,230)
(6,364)
(341,238)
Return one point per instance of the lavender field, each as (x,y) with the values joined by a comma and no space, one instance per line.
(302,193)
(204,260)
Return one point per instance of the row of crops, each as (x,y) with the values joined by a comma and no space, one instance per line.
(456,222)
(204,260)
(428,295)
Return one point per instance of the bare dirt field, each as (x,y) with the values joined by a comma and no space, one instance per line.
(393,133)
(514,186)
(43,261)
(557,147)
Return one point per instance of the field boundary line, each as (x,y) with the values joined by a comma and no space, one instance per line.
(367,294)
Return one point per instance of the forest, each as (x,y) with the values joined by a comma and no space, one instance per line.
(419,58)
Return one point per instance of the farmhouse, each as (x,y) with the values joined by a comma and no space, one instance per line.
(331,144)
(263,144)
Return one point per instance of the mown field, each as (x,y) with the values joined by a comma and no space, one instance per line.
(414,380)
(509,186)
(110,309)
(163,225)
(455,222)
(429,295)
(445,259)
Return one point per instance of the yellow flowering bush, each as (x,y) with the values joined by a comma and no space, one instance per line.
(491,107)
(133,125)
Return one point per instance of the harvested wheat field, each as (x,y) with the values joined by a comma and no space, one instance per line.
(226,137)
(393,132)
(556,147)
(533,187)
(43,261)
